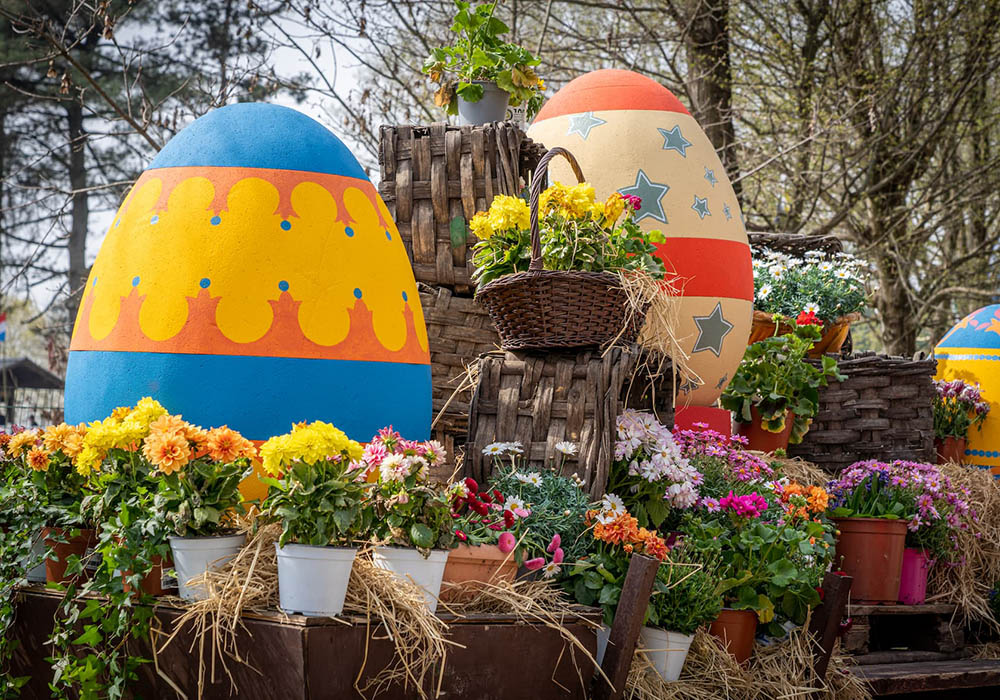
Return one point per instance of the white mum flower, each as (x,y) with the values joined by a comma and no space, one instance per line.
(613,505)
(826,266)
(811,307)
(842,274)
(566,447)
(765,291)
(534,479)
(494,448)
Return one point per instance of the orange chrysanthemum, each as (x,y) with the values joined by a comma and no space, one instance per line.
(818,499)
(168,452)
(64,438)
(120,413)
(654,546)
(197,437)
(168,425)
(38,460)
(624,528)
(19,442)
(227,445)
(5,439)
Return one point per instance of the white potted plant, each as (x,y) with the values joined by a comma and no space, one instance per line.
(481,75)
(199,495)
(319,497)
(412,515)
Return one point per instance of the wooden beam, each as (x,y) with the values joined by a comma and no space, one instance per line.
(825,623)
(629,616)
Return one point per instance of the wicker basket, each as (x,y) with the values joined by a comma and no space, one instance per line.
(883,410)
(435,178)
(551,309)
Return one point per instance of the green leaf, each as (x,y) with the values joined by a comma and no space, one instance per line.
(459,232)
(90,637)
(783,572)
(421,535)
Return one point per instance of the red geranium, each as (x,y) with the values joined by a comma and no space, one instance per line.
(808,318)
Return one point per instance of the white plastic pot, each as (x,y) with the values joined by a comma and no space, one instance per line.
(194,556)
(313,580)
(603,634)
(36,574)
(667,651)
(409,564)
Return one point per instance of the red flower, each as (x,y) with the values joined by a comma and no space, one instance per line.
(497,496)
(495,527)
(471,484)
(808,318)
(485,497)
(461,535)
(508,519)
(534,564)
(822,593)
(479,507)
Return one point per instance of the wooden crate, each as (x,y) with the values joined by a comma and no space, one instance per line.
(893,633)
(435,178)
(540,399)
(883,410)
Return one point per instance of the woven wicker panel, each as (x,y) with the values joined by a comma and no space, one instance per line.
(433,174)
(458,331)
(797,244)
(883,410)
(541,399)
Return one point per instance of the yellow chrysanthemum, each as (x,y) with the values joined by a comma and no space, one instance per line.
(308,443)
(147,411)
(88,460)
(19,442)
(480,226)
(509,213)
(120,413)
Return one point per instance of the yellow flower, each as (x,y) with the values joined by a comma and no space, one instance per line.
(55,436)
(147,411)
(509,213)
(88,460)
(120,413)
(570,202)
(307,443)
(613,208)
(480,226)
(23,439)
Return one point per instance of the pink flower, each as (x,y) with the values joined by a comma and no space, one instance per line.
(534,564)
(506,543)
(558,556)
(554,544)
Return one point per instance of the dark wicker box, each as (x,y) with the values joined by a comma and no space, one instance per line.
(883,410)
(435,178)
(540,399)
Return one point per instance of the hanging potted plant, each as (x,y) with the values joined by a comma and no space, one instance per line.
(61,490)
(958,406)
(774,394)
(318,493)
(480,75)
(412,515)
(685,598)
(200,472)
(833,288)
(553,272)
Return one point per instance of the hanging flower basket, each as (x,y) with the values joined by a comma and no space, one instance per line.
(834,334)
(544,309)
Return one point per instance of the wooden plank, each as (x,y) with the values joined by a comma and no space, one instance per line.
(908,656)
(897,679)
(932,609)
(825,623)
(628,621)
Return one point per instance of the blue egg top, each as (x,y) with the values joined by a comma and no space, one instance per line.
(980,329)
(259,135)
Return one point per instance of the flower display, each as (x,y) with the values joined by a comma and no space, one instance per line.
(307,443)
(958,406)
(701,443)
(650,469)
(816,289)
(578,232)
(917,492)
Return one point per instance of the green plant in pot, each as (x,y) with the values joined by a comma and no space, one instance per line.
(319,495)
(481,74)
(413,517)
(774,394)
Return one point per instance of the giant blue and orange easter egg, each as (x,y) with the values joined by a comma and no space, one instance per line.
(971,352)
(632,135)
(254,277)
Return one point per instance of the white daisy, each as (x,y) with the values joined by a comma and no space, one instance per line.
(612,505)
(777,272)
(765,291)
(566,447)
(523,478)
(534,479)
(811,308)
(514,448)
(842,274)
(514,504)
(494,448)
(826,266)
(550,570)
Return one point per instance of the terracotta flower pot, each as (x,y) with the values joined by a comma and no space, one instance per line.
(871,550)
(834,333)
(470,564)
(736,629)
(951,449)
(151,583)
(764,440)
(55,567)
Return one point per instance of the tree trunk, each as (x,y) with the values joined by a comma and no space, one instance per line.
(80,212)
(709,81)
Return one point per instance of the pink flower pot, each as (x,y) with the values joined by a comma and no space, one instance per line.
(913,578)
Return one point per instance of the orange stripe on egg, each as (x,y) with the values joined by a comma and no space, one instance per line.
(610,89)
(697,264)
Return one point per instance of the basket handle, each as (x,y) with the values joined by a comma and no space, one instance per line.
(537,182)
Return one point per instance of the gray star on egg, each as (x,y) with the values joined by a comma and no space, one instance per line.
(727,211)
(710,176)
(674,140)
(651,194)
(712,329)
(582,124)
(701,206)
